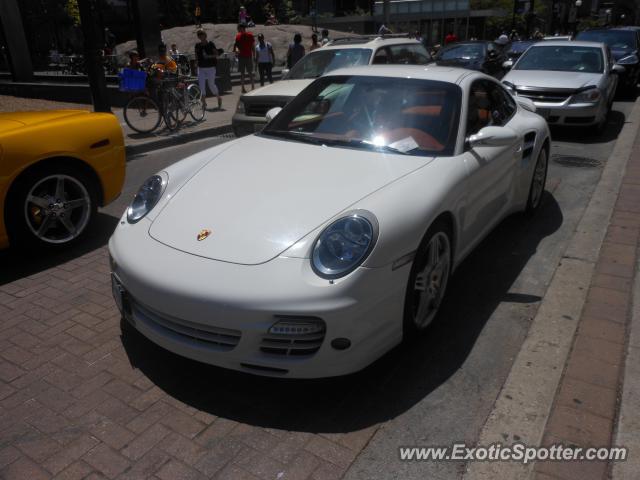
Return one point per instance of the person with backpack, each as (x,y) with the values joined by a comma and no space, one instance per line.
(265,58)
(296,51)
(207,58)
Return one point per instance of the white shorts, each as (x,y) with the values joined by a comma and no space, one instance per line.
(207,75)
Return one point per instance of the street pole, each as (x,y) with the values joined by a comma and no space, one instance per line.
(386,11)
(92,56)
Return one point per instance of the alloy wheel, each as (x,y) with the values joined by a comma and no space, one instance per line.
(57,209)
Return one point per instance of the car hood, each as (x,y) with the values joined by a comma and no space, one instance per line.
(260,196)
(285,88)
(551,79)
(32,118)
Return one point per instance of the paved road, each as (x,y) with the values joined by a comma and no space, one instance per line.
(190,418)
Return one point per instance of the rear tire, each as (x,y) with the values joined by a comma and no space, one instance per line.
(53,206)
(538,182)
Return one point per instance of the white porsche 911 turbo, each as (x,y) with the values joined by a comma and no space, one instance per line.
(312,248)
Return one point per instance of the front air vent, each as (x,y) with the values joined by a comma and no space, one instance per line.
(294,336)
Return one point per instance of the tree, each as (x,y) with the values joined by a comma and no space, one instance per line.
(72,10)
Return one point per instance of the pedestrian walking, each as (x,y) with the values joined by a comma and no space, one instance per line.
(207,58)
(244,48)
(450,38)
(296,51)
(265,58)
(314,43)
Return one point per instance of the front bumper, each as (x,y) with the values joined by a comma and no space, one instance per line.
(571,114)
(246,125)
(220,313)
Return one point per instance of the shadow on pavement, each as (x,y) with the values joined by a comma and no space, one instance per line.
(390,386)
(586,135)
(16,264)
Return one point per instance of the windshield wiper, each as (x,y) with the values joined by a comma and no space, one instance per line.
(298,136)
(353,142)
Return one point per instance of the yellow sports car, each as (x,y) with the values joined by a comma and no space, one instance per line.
(56,168)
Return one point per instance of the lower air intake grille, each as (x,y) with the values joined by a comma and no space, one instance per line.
(215,337)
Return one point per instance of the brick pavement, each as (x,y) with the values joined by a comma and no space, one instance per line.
(585,409)
(81,399)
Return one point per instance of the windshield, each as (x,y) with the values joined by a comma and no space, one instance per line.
(465,51)
(400,115)
(519,47)
(322,61)
(615,39)
(562,59)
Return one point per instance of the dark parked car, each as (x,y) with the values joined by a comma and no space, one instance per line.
(518,48)
(486,57)
(624,43)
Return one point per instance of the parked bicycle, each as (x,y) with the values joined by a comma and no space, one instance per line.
(155,100)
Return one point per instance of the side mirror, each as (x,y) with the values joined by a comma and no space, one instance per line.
(271,114)
(526,103)
(507,65)
(618,69)
(492,137)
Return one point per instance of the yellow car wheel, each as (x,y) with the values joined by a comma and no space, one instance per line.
(51,206)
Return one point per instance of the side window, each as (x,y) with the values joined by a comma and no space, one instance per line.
(503,106)
(479,110)
(382,56)
(409,54)
(489,105)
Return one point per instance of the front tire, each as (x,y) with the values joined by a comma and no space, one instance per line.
(428,279)
(52,206)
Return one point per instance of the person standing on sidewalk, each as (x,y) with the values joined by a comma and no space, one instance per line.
(265,58)
(296,51)
(207,58)
(314,42)
(244,47)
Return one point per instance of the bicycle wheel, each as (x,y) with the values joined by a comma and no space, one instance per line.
(172,114)
(142,114)
(196,107)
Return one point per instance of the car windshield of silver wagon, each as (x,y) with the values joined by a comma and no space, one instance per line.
(319,62)
(397,115)
(568,58)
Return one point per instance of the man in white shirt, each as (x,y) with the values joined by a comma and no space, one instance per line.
(265,58)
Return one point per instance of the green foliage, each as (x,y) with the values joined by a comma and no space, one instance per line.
(72,11)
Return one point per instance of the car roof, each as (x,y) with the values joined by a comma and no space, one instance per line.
(609,29)
(368,42)
(424,72)
(564,43)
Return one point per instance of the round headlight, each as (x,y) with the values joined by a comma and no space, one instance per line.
(343,245)
(147,197)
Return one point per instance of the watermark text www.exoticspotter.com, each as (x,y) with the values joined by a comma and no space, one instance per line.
(517,452)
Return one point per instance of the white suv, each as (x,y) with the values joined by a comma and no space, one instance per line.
(250,115)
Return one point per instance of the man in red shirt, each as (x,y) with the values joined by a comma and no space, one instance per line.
(450,38)
(244,48)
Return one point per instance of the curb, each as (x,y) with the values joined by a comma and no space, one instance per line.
(523,406)
(176,139)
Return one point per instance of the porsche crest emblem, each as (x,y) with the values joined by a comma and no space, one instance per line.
(203,234)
